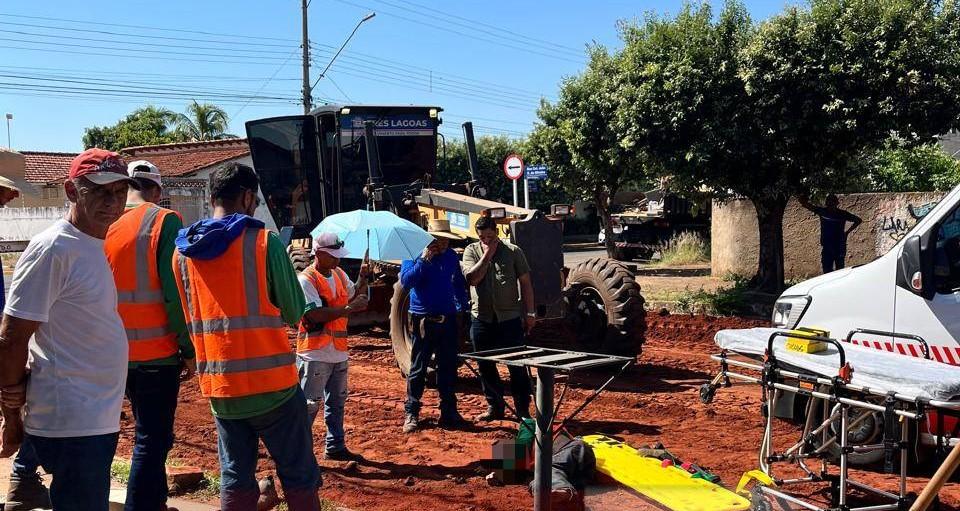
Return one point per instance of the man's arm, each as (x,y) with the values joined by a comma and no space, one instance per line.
(853,219)
(804,201)
(461,296)
(476,264)
(14,338)
(168,284)
(412,272)
(282,281)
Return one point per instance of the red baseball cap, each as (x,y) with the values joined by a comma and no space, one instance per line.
(100,167)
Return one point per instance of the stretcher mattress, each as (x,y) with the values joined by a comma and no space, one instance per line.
(882,371)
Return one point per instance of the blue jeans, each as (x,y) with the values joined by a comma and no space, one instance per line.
(327,383)
(80,467)
(286,434)
(152,391)
(494,335)
(432,338)
(25,464)
(833,257)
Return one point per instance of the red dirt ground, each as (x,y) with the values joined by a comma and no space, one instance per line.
(656,400)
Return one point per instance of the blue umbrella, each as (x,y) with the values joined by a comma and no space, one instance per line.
(387,236)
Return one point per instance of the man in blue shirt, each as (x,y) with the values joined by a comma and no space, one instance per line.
(438,292)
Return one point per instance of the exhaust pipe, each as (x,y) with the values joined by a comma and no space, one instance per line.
(471,151)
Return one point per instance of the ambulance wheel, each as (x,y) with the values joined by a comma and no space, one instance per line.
(605,308)
(707,392)
(300,257)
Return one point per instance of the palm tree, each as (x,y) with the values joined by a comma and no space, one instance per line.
(202,122)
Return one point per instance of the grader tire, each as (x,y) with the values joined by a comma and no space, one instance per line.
(300,257)
(605,308)
(400,327)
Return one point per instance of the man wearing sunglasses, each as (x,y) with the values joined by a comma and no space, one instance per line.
(322,340)
(238,288)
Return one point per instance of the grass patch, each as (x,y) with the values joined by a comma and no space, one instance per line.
(210,486)
(727,301)
(120,470)
(684,248)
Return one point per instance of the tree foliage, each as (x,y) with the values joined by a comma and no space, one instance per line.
(575,136)
(896,168)
(202,121)
(144,126)
(453,167)
(781,108)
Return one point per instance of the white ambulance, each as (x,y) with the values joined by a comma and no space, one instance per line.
(906,301)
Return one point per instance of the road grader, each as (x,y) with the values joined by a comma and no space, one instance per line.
(345,157)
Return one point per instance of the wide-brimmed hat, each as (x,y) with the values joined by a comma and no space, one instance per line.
(9,184)
(439,228)
(330,243)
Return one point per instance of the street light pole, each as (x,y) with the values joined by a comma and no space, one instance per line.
(306,59)
(342,46)
(9,118)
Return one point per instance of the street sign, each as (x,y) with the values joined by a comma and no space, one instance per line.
(536,172)
(533,186)
(513,167)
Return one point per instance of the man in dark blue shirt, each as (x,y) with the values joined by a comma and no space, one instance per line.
(833,231)
(438,292)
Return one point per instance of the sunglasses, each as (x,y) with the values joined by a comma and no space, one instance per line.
(336,246)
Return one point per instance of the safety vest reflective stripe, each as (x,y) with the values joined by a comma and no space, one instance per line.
(140,296)
(246,364)
(339,334)
(226,325)
(147,334)
(241,342)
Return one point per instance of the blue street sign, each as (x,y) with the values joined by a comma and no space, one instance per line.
(536,172)
(533,185)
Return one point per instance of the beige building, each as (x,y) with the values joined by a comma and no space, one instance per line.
(40,175)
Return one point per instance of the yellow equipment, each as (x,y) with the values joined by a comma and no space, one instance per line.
(670,486)
(801,343)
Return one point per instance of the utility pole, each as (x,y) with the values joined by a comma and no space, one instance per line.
(9,118)
(306,60)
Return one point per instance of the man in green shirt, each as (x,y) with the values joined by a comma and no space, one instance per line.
(243,354)
(503,311)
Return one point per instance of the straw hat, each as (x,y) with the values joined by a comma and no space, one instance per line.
(8,183)
(441,229)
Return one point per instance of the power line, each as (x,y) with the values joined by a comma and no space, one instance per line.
(267,81)
(332,81)
(479,38)
(143,36)
(101,54)
(138,50)
(493,30)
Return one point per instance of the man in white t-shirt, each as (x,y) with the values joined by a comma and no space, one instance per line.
(322,341)
(63,295)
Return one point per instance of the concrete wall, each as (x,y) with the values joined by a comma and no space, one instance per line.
(886,218)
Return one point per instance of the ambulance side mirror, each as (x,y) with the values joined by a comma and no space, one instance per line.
(915,268)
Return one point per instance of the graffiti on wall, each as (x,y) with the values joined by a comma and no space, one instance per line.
(895,218)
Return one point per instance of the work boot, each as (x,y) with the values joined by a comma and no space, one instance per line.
(492,414)
(340,455)
(452,420)
(411,423)
(26,494)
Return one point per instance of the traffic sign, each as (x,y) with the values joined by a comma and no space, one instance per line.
(513,167)
(533,186)
(536,172)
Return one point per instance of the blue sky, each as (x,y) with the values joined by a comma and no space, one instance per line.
(487,61)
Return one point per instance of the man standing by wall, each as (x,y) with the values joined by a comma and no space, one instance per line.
(322,341)
(438,293)
(238,288)
(501,312)
(833,231)
(63,294)
(139,247)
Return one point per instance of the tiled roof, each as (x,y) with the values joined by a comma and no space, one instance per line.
(183,159)
(46,168)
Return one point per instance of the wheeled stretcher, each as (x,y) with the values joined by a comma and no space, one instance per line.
(845,385)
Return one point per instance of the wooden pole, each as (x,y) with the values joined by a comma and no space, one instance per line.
(938,480)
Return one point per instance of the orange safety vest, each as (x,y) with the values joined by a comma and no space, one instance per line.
(131,246)
(241,343)
(333,331)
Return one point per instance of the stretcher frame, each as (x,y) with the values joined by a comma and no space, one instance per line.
(837,397)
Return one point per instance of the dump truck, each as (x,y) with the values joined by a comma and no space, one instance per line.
(642,222)
(346,157)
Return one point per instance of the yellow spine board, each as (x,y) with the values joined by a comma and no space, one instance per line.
(671,487)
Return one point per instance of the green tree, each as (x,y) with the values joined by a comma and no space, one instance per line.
(576,138)
(453,167)
(896,168)
(770,111)
(144,126)
(203,121)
